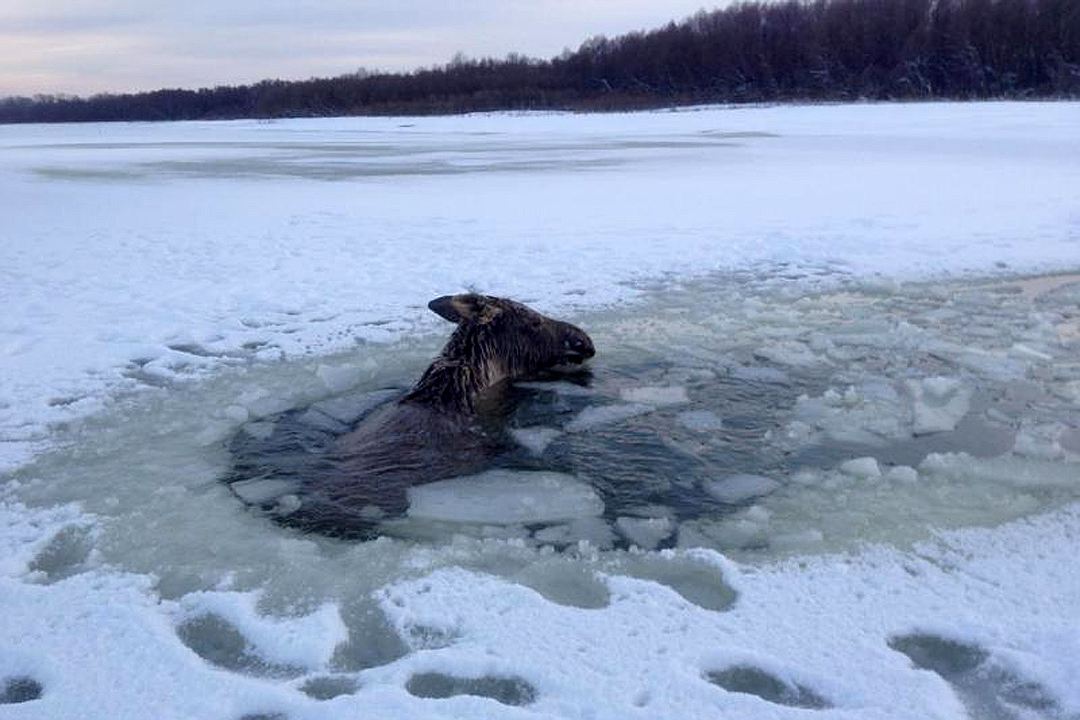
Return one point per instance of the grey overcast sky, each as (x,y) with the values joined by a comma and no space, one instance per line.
(88,46)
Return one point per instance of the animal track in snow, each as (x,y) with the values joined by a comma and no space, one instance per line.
(988,690)
(19,690)
(506,690)
(755,681)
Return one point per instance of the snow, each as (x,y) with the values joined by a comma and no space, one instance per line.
(167,285)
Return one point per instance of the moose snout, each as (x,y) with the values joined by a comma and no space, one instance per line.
(577,346)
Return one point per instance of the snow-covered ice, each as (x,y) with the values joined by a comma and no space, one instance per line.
(830,301)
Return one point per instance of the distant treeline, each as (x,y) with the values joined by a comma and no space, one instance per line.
(821,50)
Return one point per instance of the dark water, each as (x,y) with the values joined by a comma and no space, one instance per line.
(639,466)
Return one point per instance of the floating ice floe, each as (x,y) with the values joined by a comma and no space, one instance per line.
(339,378)
(1047,441)
(591,530)
(261,491)
(864,468)
(501,497)
(938,404)
(792,353)
(259,430)
(597,415)
(760,373)
(535,439)
(658,395)
(902,474)
(735,489)
(646,533)
(699,420)
(1007,470)
(559,387)
(351,407)
(871,413)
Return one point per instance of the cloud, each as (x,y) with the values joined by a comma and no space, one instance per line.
(87,46)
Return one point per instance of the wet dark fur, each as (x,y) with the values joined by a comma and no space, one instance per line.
(446,425)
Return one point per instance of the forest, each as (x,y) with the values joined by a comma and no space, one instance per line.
(796,50)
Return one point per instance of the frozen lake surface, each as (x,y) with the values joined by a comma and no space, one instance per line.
(826,460)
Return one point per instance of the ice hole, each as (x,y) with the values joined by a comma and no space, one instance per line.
(506,690)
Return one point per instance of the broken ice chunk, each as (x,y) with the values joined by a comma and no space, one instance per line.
(259,430)
(560,387)
(790,352)
(1007,470)
(657,395)
(699,420)
(239,413)
(338,378)
(313,418)
(592,530)
(535,439)
(864,468)
(760,373)
(938,404)
(646,533)
(902,473)
(735,489)
(505,497)
(260,491)
(597,415)
(350,408)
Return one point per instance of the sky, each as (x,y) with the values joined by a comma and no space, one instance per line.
(88,46)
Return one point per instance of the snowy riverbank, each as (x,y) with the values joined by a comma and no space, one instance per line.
(166,284)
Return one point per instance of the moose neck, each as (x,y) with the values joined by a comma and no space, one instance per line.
(451,387)
(465,369)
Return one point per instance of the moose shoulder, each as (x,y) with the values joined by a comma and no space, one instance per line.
(438,429)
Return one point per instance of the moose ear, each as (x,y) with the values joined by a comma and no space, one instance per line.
(462,308)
